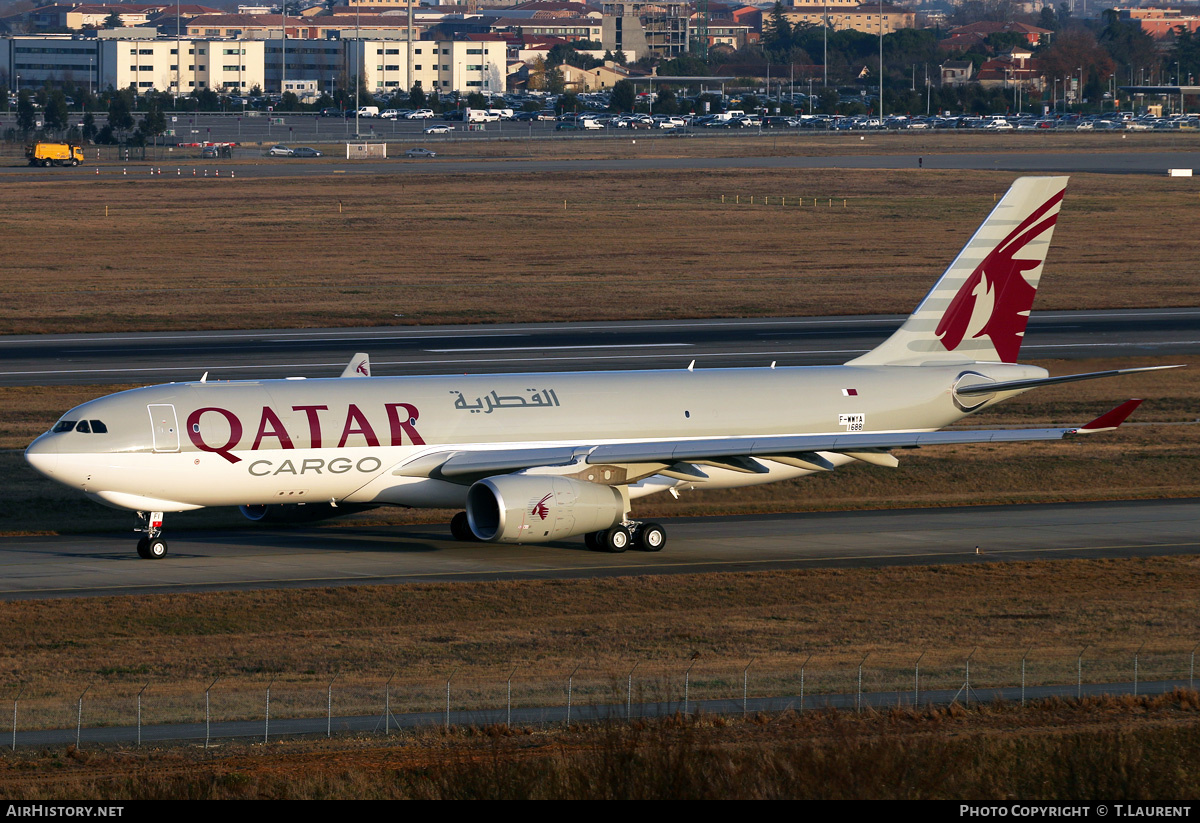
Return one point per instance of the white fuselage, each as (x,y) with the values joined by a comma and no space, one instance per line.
(347,440)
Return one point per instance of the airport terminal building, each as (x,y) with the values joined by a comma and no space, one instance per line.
(142,59)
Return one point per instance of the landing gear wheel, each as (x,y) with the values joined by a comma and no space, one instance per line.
(592,540)
(143,548)
(460,527)
(651,537)
(156,548)
(616,539)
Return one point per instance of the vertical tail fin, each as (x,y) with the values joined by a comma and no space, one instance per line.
(979,308)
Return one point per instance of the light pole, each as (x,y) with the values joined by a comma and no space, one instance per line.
(1079,91)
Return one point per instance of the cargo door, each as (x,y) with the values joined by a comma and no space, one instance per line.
(164,427)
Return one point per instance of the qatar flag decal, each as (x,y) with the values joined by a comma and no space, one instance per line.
(849,392)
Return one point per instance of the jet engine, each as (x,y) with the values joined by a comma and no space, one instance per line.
(297,512)
(536,509)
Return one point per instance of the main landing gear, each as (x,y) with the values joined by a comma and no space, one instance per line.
(152,546)
(647,537)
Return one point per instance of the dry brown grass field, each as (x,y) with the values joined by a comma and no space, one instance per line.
(545,630)
(1131,750)
(350,250)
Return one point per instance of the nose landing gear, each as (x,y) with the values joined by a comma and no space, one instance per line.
(152,546)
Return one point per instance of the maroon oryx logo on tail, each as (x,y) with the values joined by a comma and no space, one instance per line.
(996,298)
(540,508)
(362,369)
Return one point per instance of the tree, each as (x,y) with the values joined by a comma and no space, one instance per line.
(113,21)
(665,102)
(1074,50)
(555,82)
(622,96)
(289,101)
(568,102)
(119,117)
(777,31)
(416,96)
(56,111)
(89,126)
(475,100)
(26,114)
(155,121)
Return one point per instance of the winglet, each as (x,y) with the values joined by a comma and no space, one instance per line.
(359,366)
(1111,419)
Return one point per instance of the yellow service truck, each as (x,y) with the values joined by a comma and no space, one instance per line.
(54,154)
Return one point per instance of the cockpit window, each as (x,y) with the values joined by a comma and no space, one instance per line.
(83,427)
(64,426)
(98,427)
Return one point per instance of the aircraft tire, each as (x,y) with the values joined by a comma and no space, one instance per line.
(616,539)
(156,548)
(143,548)
(460,527)
(592,540)
(651,537)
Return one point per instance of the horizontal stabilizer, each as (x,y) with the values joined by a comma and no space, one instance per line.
(1021,385)
(1110,420)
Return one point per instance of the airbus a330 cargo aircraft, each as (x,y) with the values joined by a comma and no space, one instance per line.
(539,457)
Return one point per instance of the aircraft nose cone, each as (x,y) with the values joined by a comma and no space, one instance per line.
(42,454)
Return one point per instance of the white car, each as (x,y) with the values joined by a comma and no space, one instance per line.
(279,151)
(419,114)
(439,130)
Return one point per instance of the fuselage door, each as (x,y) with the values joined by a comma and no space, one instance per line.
(164,427)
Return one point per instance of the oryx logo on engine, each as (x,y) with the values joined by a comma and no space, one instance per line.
(540,508)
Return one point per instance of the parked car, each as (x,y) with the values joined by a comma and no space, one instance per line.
(279,150)
(419,114)
(332,113)
(305,151)
(209,152)
(439,130)
(420,153)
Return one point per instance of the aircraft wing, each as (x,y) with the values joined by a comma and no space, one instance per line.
(735,453)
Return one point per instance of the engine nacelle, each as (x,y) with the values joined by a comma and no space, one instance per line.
(516,508)
(297,512)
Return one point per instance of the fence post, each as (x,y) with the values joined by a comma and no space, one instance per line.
(508,716)
(448,679)
(139,713)
(629,691)
(20,692)
(917,679)
(329,707)
(79,715)
(967,684)
(387,706)
(267,715)
(1135,667)
(803,666)
(207,716)
(745,684)
(687,677)
(570,685)
(1079,673)
(858,697)
(1027,651)
(1191,674)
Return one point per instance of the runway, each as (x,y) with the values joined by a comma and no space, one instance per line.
(178,170)
(254,558)
(160,357)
